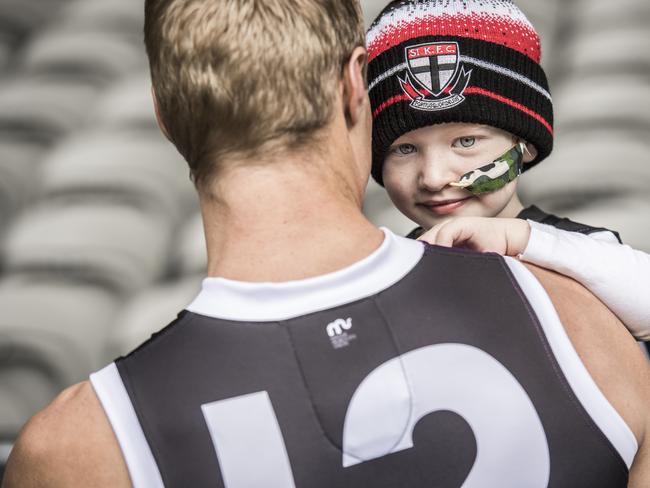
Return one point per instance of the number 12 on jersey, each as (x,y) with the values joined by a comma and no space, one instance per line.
(252,452)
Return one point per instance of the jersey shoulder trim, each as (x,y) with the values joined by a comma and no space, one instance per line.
(604,415)
(115,400)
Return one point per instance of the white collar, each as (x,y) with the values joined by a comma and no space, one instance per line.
(266,302)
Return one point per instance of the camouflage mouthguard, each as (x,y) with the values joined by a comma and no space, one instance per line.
(496,175)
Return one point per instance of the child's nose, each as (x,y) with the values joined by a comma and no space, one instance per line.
(436,174)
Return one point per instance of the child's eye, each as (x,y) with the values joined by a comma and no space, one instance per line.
(405,149)
(465,142)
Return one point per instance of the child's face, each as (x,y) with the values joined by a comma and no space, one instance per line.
(421,164)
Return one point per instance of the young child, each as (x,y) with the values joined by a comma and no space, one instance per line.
(461,108)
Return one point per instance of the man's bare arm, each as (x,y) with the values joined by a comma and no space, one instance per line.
(612,357)
(640,473)
(70,444)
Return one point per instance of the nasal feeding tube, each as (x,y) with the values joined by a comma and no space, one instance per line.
(496,175)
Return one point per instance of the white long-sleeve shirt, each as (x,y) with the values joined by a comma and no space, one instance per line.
(617,274)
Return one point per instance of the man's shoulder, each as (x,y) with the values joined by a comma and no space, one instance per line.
(69,443)
(610,354)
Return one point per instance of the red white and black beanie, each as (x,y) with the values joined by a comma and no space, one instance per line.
(475,61)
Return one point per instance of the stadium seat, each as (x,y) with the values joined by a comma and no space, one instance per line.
(5,450)
(137,167)
(598,14)
(94,57)
(11,408)
(19,17)
(189,253)
(371,9)
(618,49)
(122,17)
(52,334)
(65,332)
(603,100)
(18,176)
(42,109)
(589,165)
(24,390)
(128,105)
(103,242)
(150,311)
(5,52)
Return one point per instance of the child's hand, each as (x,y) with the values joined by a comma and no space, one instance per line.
(507,237)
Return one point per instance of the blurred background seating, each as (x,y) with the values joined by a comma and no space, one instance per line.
(105,242)
(101,241)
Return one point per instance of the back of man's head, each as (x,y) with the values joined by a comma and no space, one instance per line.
(239,78)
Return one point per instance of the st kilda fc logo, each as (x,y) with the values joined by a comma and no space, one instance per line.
(440,80)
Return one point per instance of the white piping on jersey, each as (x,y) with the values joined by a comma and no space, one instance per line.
(113,396)
(476,62)
(266,302)
(583,385)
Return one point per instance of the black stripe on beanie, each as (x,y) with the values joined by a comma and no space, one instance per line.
(486,51)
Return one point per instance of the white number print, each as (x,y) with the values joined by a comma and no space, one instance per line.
(512,449)
(248,441)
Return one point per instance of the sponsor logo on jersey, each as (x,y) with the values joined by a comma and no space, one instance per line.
(337,332)
(435,79)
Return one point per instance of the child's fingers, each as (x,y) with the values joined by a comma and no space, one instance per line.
(449,234)
(471,233)
(431,235)
(502,236)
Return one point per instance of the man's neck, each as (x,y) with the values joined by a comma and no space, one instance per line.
(280,223)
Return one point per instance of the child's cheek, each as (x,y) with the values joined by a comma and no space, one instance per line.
(494,203)
(400,196)
(397,183)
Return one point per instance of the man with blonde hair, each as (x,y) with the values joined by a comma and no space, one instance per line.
(322,351)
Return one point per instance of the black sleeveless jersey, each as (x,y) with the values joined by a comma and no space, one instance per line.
(537,215)
(416,367)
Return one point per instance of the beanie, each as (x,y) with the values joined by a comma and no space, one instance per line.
(473,61)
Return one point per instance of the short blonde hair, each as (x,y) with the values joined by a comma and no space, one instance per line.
(234,77)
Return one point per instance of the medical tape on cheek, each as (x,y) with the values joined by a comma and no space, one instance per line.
(496,175)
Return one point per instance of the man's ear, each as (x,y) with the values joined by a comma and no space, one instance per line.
(159,119)
(530,153)
(354,88)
